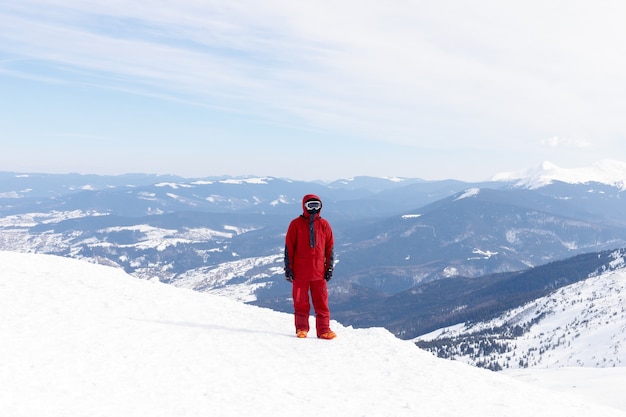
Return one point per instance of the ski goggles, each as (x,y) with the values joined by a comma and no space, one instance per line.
(313,205)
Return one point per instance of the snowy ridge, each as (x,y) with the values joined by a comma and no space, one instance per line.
(17,236)
(215,280)
(472,192)
(607,172)
(583,324)
(247,180)
(91,340)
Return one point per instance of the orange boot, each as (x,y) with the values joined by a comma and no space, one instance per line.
(328,335)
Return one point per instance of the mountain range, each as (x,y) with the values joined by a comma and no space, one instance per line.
(396,238)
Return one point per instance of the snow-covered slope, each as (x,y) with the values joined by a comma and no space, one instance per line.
(607,172)
(80,339)
(583,324)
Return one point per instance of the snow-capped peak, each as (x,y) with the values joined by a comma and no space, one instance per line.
(609,172)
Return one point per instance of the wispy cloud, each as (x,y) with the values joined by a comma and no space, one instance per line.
(397,71)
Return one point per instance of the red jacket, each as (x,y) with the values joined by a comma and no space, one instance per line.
(308,255)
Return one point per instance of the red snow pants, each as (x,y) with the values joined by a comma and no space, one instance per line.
(302,307)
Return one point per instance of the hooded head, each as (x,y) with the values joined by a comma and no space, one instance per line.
(311,210)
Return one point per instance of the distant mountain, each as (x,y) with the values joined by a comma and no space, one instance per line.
(139,195)
(226,235)
(581,324)
(445,302)
(373,184)
(477,232)
(608,172)
(15,186)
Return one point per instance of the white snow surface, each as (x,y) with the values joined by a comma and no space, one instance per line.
(79,339)
(580,325)
(606,171)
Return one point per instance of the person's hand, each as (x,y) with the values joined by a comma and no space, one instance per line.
(328,275)
(289,275)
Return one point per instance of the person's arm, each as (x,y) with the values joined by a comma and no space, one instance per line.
(329,256)
(289,251)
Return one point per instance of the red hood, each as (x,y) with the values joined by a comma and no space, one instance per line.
(307,198)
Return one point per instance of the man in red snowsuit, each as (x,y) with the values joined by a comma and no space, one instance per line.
(309,265)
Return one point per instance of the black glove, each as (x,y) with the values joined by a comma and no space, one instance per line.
(328,275)
(289,275)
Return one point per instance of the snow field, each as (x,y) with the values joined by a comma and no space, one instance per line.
(79,339)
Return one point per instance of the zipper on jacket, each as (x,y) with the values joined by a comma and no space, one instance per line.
(312,230)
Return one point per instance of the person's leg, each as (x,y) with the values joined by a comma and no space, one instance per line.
(319,295)
(301,305)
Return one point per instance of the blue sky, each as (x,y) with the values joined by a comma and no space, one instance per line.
(315,90)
